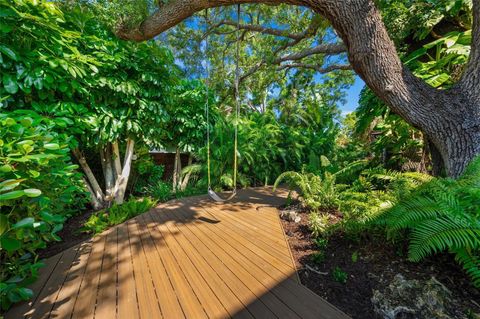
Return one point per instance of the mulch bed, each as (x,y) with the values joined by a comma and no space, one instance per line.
(378,262)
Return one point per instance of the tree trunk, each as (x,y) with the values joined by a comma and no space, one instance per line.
(177,169)
(122,180)
(116,159)
(186,178)
(94,201)
(108,170)
(94,186)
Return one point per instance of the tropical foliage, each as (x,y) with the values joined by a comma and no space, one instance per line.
(39,189)
(442,215)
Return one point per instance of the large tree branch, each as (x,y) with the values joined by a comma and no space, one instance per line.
(327,48)
(173,12)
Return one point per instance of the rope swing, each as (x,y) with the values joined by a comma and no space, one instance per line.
(211,193)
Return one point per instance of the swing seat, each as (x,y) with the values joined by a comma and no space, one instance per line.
(217,198)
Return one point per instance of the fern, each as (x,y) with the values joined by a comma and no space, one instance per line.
(471,264)
(316,192)
(441,215)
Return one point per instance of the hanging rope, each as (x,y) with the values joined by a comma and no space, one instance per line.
(212,194)
(207,69)
(237,99)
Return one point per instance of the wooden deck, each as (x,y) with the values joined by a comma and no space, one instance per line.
(190,258)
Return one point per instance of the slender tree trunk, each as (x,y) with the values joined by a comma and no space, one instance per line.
(122,180)
(177,168)
(94,201)
(116,159)
(108,169)
(186,178)
(94,186)
(449,118)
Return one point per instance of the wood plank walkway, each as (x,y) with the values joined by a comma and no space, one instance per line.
(190,258)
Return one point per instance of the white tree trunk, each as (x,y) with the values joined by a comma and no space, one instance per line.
(116,159)
(108,170)
(177,168)
(94,201)
(122,180)
(95,188)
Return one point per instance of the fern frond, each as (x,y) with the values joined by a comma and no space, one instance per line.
(440,234)
(470,263)
(472,172)
(289,176)
(407,214)
(357,165)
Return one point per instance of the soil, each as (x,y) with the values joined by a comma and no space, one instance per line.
(377,262)
(70,235)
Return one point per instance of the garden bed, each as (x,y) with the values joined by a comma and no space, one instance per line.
(376,264)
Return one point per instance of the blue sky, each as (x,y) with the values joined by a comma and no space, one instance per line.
(352,96)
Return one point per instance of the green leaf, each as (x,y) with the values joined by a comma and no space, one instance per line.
(25,293)
(9,184)
(8,52)
(10,244)
(12,195)
(51,146)
(32,192)
(34,173)
(10,84)
(3,223)
(26,121)
(6,168)
(24,223)
(50,218)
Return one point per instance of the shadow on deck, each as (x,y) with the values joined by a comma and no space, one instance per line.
(189,258)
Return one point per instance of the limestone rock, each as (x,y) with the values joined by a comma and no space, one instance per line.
(290,215)
(405,299)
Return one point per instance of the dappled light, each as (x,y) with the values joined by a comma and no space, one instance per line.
(188,258)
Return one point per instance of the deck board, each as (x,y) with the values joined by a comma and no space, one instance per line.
(189,258)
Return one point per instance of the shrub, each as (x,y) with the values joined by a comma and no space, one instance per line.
(442,214)
(317,223)
(148,174)
(160,190)
(372,192)
(39,188)
(117,214)
(316,192)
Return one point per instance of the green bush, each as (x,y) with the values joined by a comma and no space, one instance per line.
(441,215)
(160,190)
(39,188)
(373,191)
(148,174)
(116,214)
(316,192)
